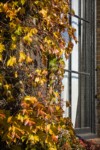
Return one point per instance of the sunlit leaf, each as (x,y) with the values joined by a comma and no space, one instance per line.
(16,74)
(1,59)
(44,12)
(37,79)
(12,61)
(22,57)
(34,138)
(9,119)
(29,59)
(34,31)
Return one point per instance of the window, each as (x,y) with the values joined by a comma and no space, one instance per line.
(79,78)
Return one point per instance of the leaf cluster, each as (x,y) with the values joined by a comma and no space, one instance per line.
(31,72)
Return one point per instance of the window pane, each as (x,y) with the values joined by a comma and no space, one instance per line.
(75,6)
(75,93)
(75,24)
(75,67)
(65,92)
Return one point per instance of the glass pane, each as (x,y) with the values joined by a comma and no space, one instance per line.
(75,52)
(65,92)
(65,81)
(75,93)
(84,106)
(75,6)
(75,67)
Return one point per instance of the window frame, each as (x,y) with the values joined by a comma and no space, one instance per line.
(91,22)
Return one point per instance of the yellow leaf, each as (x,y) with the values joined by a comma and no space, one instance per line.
(51,132)
(22,57)
(34,138)
(12,14)
(0,57)
(27,98)
(52,148)
(9,119)
(2,48)
(20,117)
(34,31)
(23,2)
(6,86)
(13,37)
(12,25)
(28,59)
(42,81)
(16,74)
(47,128)
(13,46)
(44,12)
(12,61)
(20,130)
(5,7)
(30,98)
(47,40)
(38,71)
(18,30)
(28,39)
(57,108)
(13,128)
(37,79)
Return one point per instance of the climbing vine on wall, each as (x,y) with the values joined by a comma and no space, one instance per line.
(31,72)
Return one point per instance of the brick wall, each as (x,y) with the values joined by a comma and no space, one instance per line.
(98,65)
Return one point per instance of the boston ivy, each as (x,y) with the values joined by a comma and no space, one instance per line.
(31,72)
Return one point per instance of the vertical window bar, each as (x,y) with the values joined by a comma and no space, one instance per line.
(69,74)
(88,67)
(93,66)
(79,83)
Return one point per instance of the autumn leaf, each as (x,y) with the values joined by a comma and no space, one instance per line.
(33,31)
(30,98)
(29,60)
(12,61)
(2,116)
(16,74)
(1,59)
(22,57)
(2,47)
(23,2)
(43,12)
(47,128)
(18,30)
(37,79)
(13,46)
(30,92)
(33,138)
(9,119)
(13,37)
(55,138)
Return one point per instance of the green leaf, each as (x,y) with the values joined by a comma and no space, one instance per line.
(23,2)
(53,62)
